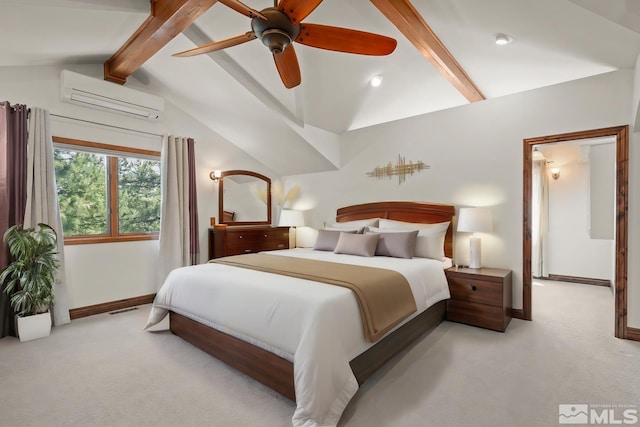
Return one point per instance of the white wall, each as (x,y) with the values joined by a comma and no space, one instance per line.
(475,154)
(571,250)
(602,191)
(106,272)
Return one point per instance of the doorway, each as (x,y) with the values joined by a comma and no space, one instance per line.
(621,134)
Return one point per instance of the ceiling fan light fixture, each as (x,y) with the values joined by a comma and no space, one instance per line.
(502,39)
(376,81)
(276,40)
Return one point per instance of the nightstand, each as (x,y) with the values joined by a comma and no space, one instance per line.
(480,297)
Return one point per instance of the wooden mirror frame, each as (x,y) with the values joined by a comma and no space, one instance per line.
(221,197)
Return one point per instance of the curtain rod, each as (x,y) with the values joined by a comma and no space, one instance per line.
(104,124)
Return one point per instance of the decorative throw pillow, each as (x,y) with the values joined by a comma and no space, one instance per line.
(357,244)
(401,244)
(328,239)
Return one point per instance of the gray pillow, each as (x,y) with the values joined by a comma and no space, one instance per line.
(357,244)
(397,245)
(328,239)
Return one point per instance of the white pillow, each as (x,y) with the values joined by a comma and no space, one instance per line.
(306,237)
(392,223)
(373,222)
(430,240)
(357,230)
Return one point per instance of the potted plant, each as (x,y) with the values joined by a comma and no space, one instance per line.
(30,277)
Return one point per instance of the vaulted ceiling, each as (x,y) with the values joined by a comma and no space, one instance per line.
(238,93)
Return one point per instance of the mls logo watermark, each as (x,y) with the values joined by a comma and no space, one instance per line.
(602,414)
(573,414)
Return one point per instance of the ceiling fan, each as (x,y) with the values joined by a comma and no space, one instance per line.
(279,26)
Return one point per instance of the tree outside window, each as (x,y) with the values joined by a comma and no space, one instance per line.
(107,193)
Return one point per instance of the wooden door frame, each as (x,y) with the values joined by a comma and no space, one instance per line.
(621,243)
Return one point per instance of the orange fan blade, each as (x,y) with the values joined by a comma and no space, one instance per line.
(222,44)
(297,10)
(345,40)
(238,6)
(288,68)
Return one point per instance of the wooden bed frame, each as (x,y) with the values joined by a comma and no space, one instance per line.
(276,372)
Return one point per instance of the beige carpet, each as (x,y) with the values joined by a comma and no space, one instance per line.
(105,371)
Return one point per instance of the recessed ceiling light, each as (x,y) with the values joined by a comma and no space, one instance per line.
(376,81)
(502,39)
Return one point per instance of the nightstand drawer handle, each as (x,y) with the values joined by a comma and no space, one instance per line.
(473,288)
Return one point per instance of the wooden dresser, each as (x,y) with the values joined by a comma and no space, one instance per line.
(480,297)
(236,240)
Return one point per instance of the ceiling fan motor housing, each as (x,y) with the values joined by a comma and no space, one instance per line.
(276,32)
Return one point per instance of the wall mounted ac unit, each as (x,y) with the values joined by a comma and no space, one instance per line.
(94,93)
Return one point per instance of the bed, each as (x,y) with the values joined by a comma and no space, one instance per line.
(304,363)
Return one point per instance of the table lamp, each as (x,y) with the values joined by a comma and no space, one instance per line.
(292,219)
(474,220)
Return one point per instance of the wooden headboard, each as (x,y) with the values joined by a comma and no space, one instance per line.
(419,212)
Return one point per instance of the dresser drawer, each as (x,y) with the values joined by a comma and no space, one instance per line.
(241,248)
(256,246)
(484,316)
(256,240)
(235,237)
(476,290)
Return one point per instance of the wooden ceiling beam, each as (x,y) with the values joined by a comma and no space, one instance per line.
(407,19)
(167,19)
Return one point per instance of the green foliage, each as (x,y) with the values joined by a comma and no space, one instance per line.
(82,192)
(138,195)
(82,179)
(29,279)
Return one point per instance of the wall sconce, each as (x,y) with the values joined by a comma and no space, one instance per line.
(215,175)
(555,173)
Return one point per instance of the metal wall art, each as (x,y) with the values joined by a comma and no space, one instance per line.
(401,169)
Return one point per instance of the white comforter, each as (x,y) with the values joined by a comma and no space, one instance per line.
(314,325)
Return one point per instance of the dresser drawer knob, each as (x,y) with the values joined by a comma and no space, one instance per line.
(265,235)
(246,251)
(474,288)
(239,237)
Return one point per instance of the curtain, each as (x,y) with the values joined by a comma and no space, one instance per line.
(13,179)
(42,199)
(179,244)
(194,238)
(540,218)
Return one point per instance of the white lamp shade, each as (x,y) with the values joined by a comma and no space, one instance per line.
(291,218)
(475,220)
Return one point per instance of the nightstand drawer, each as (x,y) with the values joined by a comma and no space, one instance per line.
(484,316)
(476,290)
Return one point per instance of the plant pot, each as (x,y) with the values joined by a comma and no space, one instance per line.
(33,327)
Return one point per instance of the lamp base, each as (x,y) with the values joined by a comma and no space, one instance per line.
(292,237)
(474,252)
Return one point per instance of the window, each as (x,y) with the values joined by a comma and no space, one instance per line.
(107,193)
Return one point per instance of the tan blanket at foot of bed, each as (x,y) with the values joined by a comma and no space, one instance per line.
(384,296)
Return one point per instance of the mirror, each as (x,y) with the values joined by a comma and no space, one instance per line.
(244,198)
